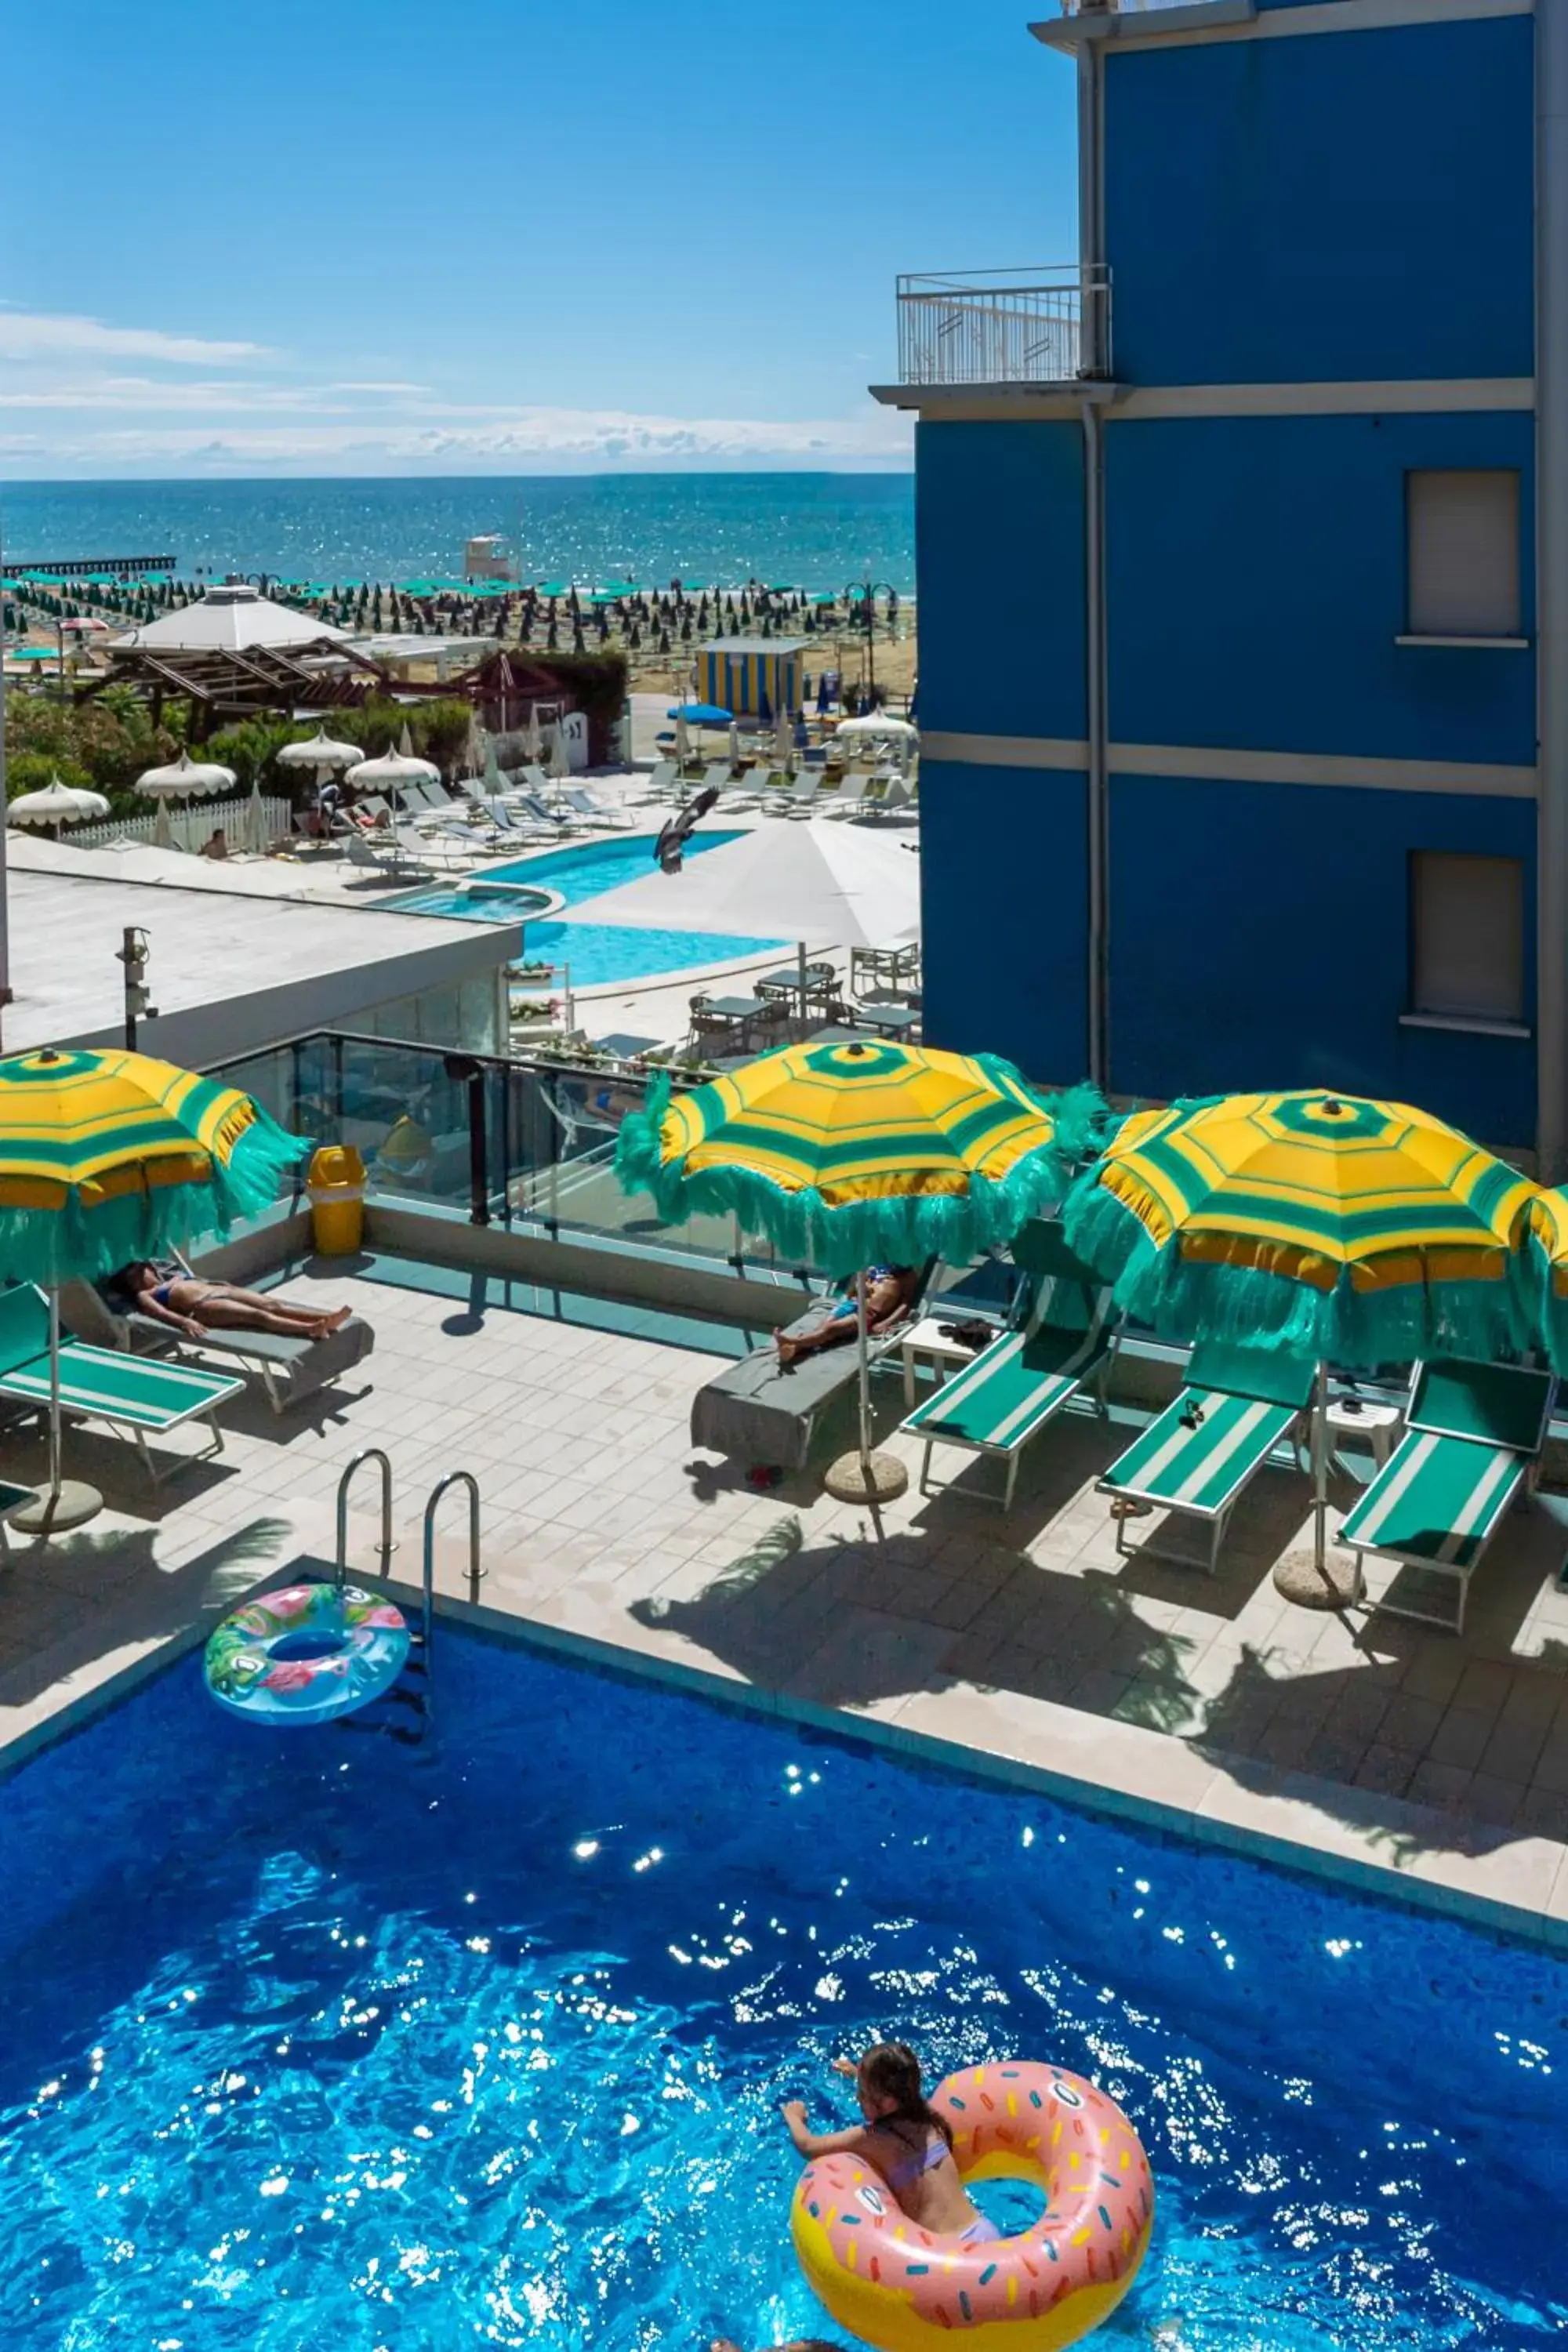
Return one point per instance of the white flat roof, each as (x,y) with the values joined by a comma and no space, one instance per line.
(756,645)
(229,972)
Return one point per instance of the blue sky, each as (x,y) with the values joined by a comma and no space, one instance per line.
(380,235)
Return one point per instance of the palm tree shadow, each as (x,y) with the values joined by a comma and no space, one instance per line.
(78,1603)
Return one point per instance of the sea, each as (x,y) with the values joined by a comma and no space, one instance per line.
(816,532)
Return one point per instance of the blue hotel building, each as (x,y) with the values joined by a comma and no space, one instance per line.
(1261,778)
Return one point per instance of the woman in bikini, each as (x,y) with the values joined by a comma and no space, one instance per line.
(197,1308)
(904,2139)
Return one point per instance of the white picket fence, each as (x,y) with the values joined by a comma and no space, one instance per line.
(191,825)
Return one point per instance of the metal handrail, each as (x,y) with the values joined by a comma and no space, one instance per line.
(386,1546)
(476,1573)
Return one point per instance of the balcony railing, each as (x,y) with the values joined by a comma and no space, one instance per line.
(1049,325)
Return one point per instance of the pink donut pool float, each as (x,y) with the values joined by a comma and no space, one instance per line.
(902,2289)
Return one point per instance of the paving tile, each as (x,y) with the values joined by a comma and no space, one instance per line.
(1461,1737)
(1483,1685)
(1410,1722)
(1442,1785)
(1386,1770)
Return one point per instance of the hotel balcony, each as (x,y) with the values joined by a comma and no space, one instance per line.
(1028,329)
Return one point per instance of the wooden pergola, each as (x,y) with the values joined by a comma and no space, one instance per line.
(222,685)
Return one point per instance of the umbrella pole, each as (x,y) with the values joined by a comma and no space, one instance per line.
(866,1470)
(801,952)
(862,1476)
(65,1502)
(1320,1470)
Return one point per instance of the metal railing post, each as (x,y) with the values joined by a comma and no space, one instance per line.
(386,1546)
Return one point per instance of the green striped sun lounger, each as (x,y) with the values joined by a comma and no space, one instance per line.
(1020,1382)
(131,1393)
(1474,1436)
(1196,1460)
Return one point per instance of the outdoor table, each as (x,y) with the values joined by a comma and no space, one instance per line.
(1360,1417)
(736,1012)
(888,1020)
(925,1341)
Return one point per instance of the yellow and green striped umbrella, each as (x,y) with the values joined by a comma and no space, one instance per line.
(110,1156)
(1358,1232)
(1547,1253)
(856,1150)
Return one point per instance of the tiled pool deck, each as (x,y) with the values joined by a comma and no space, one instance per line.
(1371,1743)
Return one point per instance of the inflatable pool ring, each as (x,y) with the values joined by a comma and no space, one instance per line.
(902,2289)
(305,1654)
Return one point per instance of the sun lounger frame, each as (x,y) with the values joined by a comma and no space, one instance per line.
(25,1381)
(1281,1386)
(1044,1257)
(1518,1410)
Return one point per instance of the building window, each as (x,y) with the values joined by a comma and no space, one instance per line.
(1466,936)
(1463,553)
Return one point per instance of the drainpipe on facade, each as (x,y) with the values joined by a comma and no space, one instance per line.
(1094,652)
(1552,582)
(1092,363)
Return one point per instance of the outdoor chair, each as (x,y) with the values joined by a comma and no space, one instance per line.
(998,1404)
(135,1397)
(1474,1437)
(799,795)
(849,797)
(391,866)
(760,1411)
(1196,1460)
(596,812)
(289,1370)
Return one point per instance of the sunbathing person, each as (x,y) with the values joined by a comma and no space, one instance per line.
(890,1292)
(195,1307)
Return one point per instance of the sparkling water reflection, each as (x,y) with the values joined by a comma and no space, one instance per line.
(319,2039)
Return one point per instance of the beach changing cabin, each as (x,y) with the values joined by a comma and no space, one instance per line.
(752,676)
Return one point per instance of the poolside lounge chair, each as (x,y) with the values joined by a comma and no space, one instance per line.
(851,794)
(577,799)
(289,1370)
(1016,1388)
(1475,1433)
(1197,1458)
(131,1393)
(760,1411)
(391,866)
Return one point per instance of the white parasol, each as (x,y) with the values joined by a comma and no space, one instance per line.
(319,752)
(187,778)
(394,770)
(56,805)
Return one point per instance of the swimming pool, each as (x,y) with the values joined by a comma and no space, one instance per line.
(599,953)
(316,2039)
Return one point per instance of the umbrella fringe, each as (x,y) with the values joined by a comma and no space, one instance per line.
(900,1229)
(70,1242)
(1254,1306)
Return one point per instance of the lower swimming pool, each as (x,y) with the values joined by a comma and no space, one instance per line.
(598,953)
(318,2039)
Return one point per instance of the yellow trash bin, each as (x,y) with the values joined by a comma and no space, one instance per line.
(336,1187)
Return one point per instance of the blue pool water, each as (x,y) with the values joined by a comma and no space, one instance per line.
(313,2039)
(598,952)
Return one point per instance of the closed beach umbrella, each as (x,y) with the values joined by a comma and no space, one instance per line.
(256,821)
(56,804)
(682,738)
(783,738)
(558,765)
(734,744)
(108,1157)
(532,741)
(1321,1225)
(163,832)
(848,1154)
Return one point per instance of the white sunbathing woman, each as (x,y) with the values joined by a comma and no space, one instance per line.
(197,1308)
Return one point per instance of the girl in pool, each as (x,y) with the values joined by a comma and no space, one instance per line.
(902,2138)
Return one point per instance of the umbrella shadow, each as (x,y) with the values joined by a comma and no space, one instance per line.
(852,1622)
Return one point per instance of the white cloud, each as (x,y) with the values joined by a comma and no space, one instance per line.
(43,334)
(520,439)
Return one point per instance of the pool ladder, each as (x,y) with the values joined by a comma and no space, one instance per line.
(421,1659)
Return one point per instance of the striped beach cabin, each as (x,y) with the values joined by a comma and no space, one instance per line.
(752,676)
